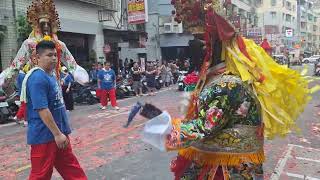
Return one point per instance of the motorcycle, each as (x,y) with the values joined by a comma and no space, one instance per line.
(144,85)
(4,110)
(124,89)
(159,82)
(317,69)
(82,94)
(182,75)
(8,107)
(14,103)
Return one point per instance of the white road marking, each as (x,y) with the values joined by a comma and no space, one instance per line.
(8,124)
(309,148)
(302,176)
(281,164)
(99,115)
(121,100)
(308,159)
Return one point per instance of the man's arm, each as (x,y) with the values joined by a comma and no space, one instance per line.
(99,80)
(69,86)
(99,84)
(59,137)
(115,78)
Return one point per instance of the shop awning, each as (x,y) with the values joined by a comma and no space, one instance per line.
(125,34)
(175,40)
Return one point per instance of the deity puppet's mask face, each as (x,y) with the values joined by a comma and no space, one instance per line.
(45,27)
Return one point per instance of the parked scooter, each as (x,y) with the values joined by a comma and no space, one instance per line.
(144,85)
(159,82)
(82,94)
(4,109)
(14,103)
(182,75)
(124,89)
(8,107)
(317,69)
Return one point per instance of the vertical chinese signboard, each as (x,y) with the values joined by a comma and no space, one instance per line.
(137,11)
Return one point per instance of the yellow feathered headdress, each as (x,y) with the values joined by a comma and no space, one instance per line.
(281,91)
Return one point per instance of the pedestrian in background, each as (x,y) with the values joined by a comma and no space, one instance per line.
(21,114)
(48,124)
(66,84)
(107,84)
(136,77)
(98,90)
(131,63)
(175,72)
(126,68)
(151,79)
(165,73)
(94,73)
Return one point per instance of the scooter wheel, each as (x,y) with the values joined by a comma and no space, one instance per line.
(144,90)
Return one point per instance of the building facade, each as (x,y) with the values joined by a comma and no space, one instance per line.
(173,40)
(277,19)
(243,15)
(317,12)
(137,40)
(308,22)
(82,28)
(9,10)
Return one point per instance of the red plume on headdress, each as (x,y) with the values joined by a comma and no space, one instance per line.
(265,45)
(224,30)
(199,17)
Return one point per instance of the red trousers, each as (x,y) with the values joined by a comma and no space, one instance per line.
(46,156)
(21,114)
(98,93)
(105,94)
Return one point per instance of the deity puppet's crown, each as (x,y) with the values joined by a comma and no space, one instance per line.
(43,11)
(192,13)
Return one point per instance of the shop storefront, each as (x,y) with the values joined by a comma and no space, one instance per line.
(175,46)
(124,44)
(78,45)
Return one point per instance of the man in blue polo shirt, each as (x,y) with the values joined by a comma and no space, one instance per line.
(48,125)
(107,83)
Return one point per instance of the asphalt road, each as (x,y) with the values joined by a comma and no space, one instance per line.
(108,151)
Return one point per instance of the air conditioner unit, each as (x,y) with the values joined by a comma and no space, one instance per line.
(177,28)
(167,27)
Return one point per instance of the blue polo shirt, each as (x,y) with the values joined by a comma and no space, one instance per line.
(107,78)
(43,92)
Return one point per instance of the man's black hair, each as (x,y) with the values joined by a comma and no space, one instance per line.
(43,45)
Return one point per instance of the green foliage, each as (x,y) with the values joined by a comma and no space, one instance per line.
(23,28)
(92,56)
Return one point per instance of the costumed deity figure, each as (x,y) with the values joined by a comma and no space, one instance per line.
(242,96)
(43,18)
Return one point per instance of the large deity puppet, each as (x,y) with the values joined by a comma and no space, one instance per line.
(235,105)
(43,18)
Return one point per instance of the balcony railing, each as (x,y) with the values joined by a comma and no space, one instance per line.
(106,4)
